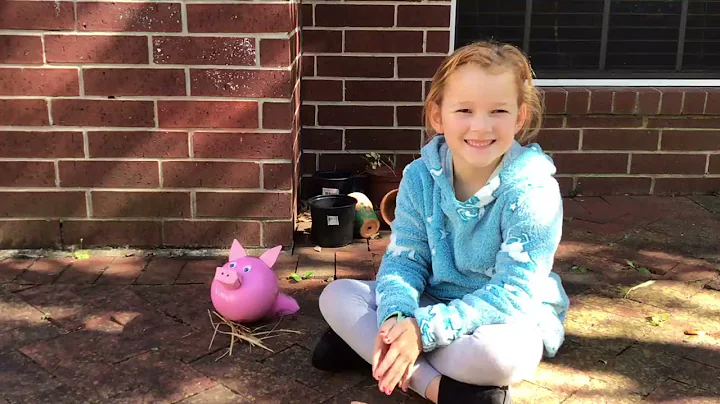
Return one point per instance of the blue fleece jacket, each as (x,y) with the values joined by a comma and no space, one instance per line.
(488,260)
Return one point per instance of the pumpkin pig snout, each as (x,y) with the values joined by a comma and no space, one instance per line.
(228,277)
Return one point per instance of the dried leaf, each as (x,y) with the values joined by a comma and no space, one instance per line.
(694,331)
(317,248)
(636,287)
(630,263)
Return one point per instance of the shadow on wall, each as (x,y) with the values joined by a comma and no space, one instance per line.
(126,161)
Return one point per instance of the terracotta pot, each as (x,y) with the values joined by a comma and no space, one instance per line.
(387,206)
(380,182)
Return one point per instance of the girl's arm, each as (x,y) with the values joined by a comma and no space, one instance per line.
(531,225)
(404,272)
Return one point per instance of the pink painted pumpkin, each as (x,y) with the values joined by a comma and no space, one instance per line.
(246,288)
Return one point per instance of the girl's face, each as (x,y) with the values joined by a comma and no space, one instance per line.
(479,116)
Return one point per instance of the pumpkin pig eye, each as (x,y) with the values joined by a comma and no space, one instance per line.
(246,269)
(233,264)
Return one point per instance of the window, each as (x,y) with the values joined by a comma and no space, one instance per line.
(618,39)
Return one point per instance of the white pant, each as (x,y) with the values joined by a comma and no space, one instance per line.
(494,355)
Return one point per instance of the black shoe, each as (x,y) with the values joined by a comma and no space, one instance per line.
(455,392)
(333,354)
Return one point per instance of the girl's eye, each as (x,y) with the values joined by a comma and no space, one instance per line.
(464,111)
(500,111)
(246,269)
(233,264)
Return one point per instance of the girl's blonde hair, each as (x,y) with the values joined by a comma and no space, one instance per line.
(497,57)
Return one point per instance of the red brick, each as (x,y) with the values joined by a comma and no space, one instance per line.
(275,52)
(384,41)
(75,112)
(360,15)
(21,49)
(714,167)
(109,174)
(418,66)
(84,271)
(559,139)
(129,17)
(241,83)
(321,139)
(45,15)
(354,265)
(555,100)
(96,49)
(712,107)
(438,42)
(691,140)
(140,204)
(307,115)
(308,66)
(355,66)
(344,161)
(123,271)
(24,113)
(111,233)
(208,114)
(321,41)
(306,15)
(255,18)
(277,176)
(624,102)
(601,101)
(43,204)
(204,51)
(578,100)
(169,82)
(380,90)
(210,233)
(648,101)
(12,267)
(401,160)
(684,122)
(34,144)
(199,270)
(48,82)
(138,144)
(683,186)
(600,186)
(602,122)
(671,101)
(27,174)
(668,164)
(29,234)
(161,271)
(694,102)
(44,270)
(382,139)
(355,115)
(209,174)
(244,205)
(322,90)
(590,163)
(620,139)
(277,233)
(277,115)
(410,116)
(242,145)
(553,122)
(423,16)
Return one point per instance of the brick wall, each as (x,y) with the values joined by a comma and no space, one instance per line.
(366,68)
(148,124)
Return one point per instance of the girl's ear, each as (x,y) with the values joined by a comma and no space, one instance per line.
(521,118)
(436,117)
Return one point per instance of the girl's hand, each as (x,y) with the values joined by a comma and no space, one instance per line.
(380,347)
(397,365)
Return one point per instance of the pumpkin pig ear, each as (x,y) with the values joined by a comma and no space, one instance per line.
(236,251)
(270,256)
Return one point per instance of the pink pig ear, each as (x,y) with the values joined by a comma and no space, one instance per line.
(236,251)
(270,256)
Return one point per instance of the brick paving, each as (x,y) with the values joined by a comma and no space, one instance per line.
(131,329)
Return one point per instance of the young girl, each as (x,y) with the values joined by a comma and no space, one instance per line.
(465,302)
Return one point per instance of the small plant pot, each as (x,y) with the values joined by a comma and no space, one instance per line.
(333,220)
(334,182)
(387,206)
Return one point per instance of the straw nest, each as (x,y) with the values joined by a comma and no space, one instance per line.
(239,333)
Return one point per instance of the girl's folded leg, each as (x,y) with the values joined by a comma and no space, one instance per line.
(349,308)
